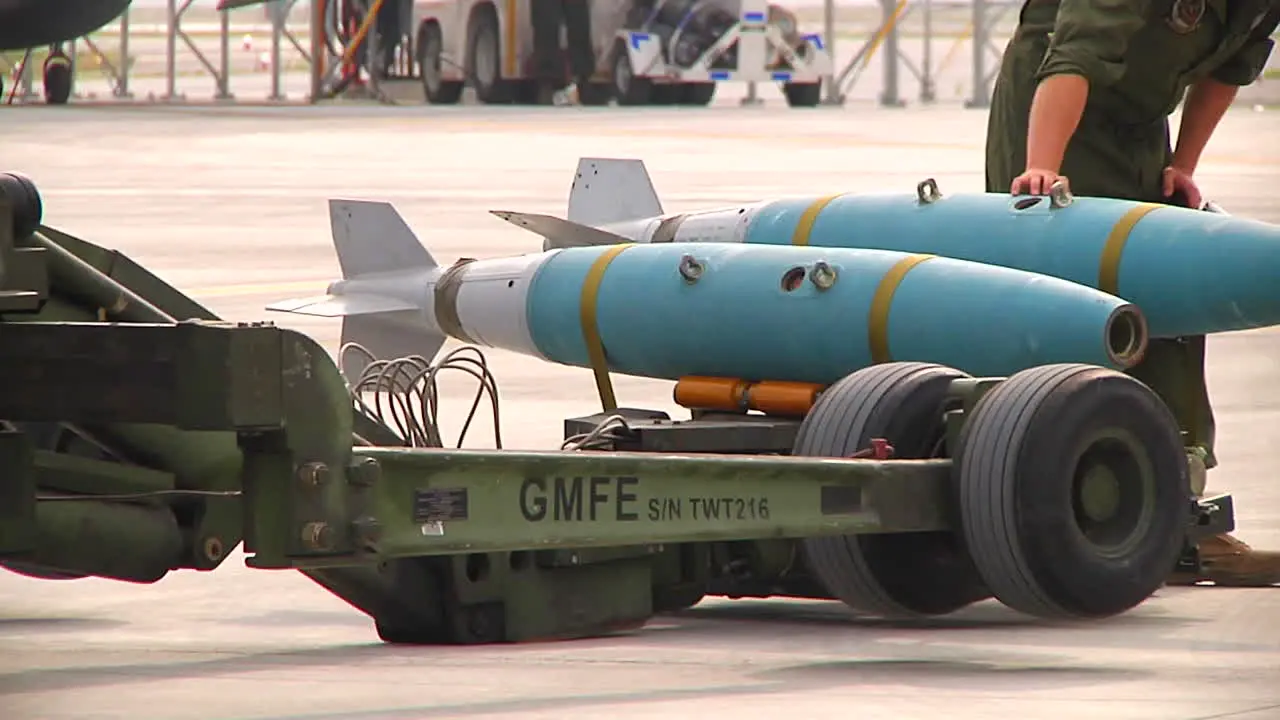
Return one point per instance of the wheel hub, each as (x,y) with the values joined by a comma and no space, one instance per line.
(622,74)
(431,63)
(1100,493)
(1112,495)
(486,65)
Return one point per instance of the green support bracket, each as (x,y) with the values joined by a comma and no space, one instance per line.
(299,480)
(24,282)
(17,495)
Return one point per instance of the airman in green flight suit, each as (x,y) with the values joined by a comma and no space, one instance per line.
(1084,94)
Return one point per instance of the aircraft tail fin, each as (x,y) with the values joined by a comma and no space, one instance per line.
(610,190)
(385,269)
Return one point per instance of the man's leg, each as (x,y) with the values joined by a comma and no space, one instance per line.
(1174,369)
(389,35)
(548,67)
(582,54)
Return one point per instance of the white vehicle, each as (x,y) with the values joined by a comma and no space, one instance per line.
(647,52)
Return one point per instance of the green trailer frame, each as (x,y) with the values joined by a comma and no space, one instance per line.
(144,435)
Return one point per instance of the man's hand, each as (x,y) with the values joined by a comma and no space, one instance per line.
(1180,188)
(1035,182)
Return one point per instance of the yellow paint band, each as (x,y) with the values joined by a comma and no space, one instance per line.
(591,332)
(882,301)
(804,226)
(1113,249)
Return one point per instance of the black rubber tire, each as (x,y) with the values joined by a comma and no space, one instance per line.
(628,89)
(802,94)
(483,32)
(24,200)
(430,51)
(674,598)
(899,575)
(665,94)
(595,94)
(697,93)
(1016,474)
(57,80)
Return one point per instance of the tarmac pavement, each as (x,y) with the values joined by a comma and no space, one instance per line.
(228,204)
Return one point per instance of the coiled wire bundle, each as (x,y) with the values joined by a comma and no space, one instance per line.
(404,395)
(602,436)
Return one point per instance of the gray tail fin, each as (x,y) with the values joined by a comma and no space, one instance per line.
(384,270)
(371,237)
(609,190)
(557,233)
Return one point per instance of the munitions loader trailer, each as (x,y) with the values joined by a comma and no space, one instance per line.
(143,435)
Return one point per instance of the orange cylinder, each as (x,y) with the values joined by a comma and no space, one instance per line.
(788,399)
(710,393)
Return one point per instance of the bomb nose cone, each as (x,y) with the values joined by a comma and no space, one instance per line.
(1196,272)
(988,320)
(1126,333)
(24,199)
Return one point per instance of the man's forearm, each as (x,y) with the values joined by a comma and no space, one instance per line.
(1206,103)
(1055,113)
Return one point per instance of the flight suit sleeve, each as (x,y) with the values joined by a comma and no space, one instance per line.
(1247,64)
(1090,38)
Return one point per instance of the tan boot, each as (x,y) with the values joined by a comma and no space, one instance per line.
(1228,562)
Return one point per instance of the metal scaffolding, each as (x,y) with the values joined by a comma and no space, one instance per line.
(985,15)
(120,74)
(331,61)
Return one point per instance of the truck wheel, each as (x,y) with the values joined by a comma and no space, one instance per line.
(484,58)
(595,94)
(665,94)
(697,93)
(57,79)
(1073,491)
(627,88)
(27,207)
(802,94)
(430,53)
(895,575)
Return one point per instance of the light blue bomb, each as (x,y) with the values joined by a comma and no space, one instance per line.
(754,312)
(1191,272)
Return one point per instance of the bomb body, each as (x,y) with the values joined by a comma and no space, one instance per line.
(1191,272)
(804,314)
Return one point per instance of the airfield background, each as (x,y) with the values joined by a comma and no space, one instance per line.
(935,55)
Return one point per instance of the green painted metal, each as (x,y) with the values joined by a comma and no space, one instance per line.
(431,502)
(136,543)
(82,475)
(17,495)
(282,393)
